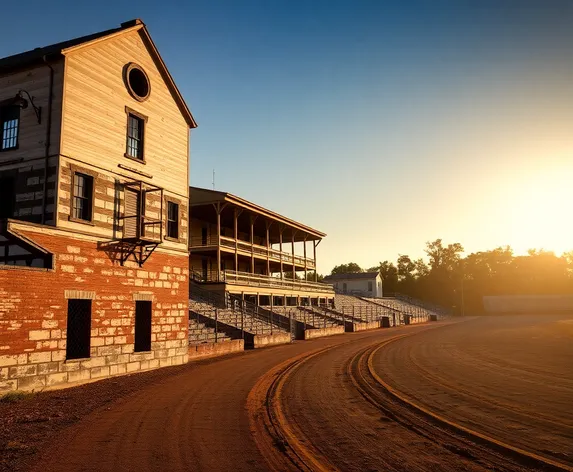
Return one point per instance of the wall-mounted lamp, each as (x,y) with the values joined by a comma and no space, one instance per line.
(20,101)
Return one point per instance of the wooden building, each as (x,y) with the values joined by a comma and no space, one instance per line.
(94,172)
(365,284)
(242,248)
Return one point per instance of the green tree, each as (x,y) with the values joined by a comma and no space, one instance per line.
(406,268)
(310,277)
(350,268)
(389,276)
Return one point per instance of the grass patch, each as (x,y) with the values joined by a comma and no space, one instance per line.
(13,397)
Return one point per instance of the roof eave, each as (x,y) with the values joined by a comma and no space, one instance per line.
(235,200)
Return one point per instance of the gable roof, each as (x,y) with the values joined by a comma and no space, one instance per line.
(352,276)
(53,51)
(37,55)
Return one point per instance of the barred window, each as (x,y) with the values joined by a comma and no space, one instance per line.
(135,136)
(82,196)
(172,220)
(10,124)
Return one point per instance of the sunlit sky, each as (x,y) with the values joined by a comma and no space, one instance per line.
(383,124)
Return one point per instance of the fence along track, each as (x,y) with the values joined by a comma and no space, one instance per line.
(361,381)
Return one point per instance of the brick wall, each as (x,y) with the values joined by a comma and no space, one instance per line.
(33,313)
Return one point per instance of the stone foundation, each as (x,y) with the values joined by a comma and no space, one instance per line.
(200,351)
(320,332)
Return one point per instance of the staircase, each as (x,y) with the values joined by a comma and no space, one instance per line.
(365,310)
(311,316)
(235,317)
(415,313)
(201,333)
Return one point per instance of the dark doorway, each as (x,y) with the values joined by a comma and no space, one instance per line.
(142,326)
(79,329)
(204,236)
(205,268)
(7,197)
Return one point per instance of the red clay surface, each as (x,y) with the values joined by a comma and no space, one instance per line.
(509,376)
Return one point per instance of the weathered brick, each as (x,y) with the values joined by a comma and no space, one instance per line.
(133,366)
(48,324)
(38,338)
(54,379)
(37,335)
(79,375)
(99,372)
(32,383)
(37,357)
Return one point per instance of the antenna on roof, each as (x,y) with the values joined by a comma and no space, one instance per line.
(213,179)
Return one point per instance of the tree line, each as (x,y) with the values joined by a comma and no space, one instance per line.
(453,281)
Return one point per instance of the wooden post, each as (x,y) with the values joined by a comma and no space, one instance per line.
(305,268)
(281,248)
(253,218)
(314,251)
(236,218)
(218,209)
(293,264)
(268,249)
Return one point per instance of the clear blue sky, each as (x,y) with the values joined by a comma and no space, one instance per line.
(384,124)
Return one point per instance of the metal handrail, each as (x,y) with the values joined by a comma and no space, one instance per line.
(241,314)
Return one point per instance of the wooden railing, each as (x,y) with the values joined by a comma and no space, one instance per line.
(245,246)
(257,280)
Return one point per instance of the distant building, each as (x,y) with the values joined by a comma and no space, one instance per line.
(367,284)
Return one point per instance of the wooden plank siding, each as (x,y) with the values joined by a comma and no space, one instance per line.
(31,135)
(26,163)
(95,120)
(94,128)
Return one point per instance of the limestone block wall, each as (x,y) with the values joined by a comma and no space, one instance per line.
(33,312)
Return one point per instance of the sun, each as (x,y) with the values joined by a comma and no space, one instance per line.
(540,211)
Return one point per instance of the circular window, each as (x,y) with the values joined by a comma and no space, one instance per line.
(137,82)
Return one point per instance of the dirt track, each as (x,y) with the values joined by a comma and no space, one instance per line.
(314,405)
